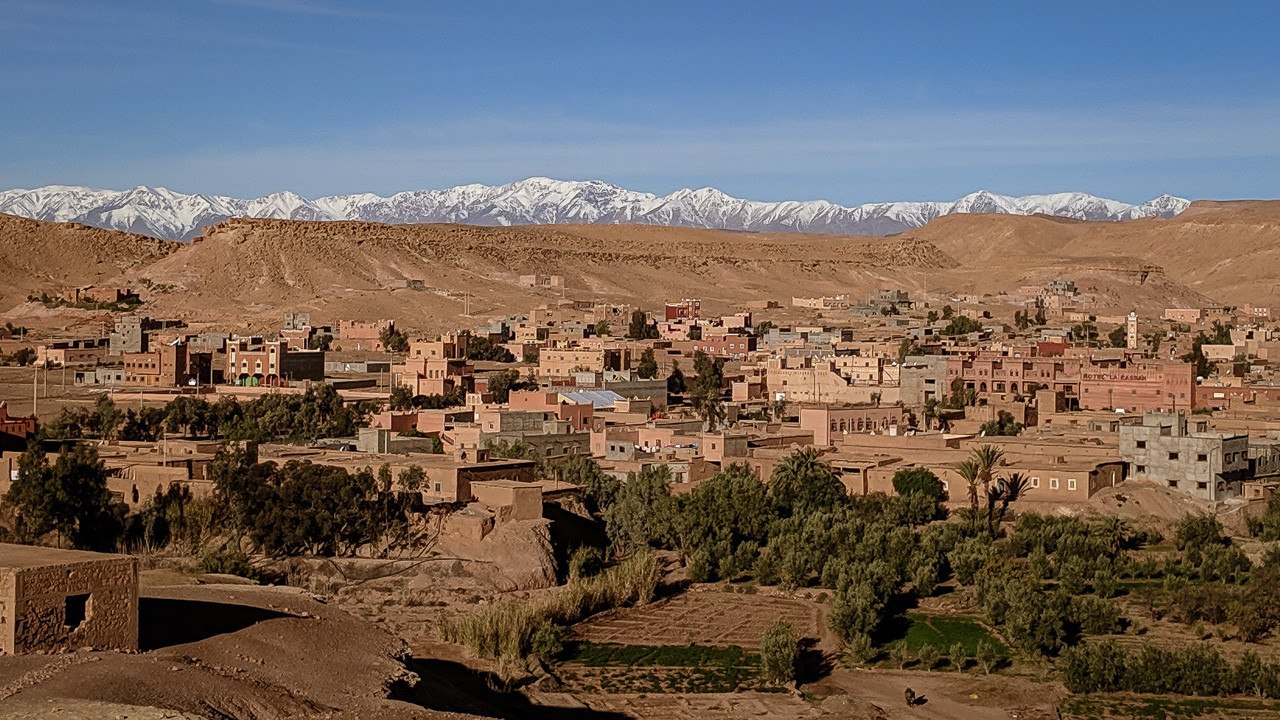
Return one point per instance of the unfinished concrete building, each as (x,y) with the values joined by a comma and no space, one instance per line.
(53,600)
(1184,455)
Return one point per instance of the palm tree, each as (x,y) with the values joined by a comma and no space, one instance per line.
(1116,532)
(987,457)
(1006,491)
(970,472)
(930,413)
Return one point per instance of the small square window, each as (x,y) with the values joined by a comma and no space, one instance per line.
(1202,486)
(1173,456)
(1202,458)
(1173,483)
(1142,444)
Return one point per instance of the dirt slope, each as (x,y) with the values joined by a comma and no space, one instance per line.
(247,272)
(230,652)
(346,268)
(38,256)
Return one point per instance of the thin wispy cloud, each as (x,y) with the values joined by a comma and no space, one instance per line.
(305,7)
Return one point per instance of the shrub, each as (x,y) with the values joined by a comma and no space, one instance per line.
(958,657)
(228,561)
(919,481)
(779,653)
(505,631)
(858,650)
(545,643)
(986,657)
(928,655)
(585,562)
(898,654)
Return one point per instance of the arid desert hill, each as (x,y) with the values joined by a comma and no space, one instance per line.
(342,269)
(1226,251)
(252,270)
(38,256)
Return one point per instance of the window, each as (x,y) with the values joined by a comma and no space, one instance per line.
(1202,486)
(1035,482)
(77,611)
(1142,444)
(1071,483)
(1202,458)
(439,487)
(1140,469)
(1173,483)
(1173,456)
(1053,483)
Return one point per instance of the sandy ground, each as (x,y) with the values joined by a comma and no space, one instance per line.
(227,651)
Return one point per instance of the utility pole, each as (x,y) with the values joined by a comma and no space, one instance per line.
(35,391)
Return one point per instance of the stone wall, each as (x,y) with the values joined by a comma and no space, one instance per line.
(43,596)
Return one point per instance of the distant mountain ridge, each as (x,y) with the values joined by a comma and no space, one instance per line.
(162,213)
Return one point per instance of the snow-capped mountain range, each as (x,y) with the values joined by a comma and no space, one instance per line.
(166,214)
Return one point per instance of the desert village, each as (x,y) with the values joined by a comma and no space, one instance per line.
(490,441)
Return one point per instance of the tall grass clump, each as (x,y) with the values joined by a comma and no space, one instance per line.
(504,631)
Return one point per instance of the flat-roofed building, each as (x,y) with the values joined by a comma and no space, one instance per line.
(58,600)
(1184,455)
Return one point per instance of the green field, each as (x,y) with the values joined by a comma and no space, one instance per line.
(610,668)
(943,631)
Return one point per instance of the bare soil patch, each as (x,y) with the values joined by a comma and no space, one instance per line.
(701,618)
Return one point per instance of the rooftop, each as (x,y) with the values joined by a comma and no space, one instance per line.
(21,557)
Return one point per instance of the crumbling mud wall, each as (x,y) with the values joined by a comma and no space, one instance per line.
(92,604)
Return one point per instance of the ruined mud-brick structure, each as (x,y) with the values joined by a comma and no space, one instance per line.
(52,600)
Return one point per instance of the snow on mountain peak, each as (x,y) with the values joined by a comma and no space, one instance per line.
(161,212)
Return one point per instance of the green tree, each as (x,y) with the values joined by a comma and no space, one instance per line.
(907,348)
(648,366)
(106,417)
(583,470)
(961,325)
(602,328)
(401,398)
(393,340)
(1154,339)
(1118,338)
(1003,425)
(986,657)
(502,383)
(69,497)
(958,657)
(707,392)
(482,348)
(804,483)
(644,511)
(411,479)
(676,383)
(640,328)
(920,481)
(779,653)
(1198,532)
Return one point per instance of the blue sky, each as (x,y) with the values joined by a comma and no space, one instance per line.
(845,101)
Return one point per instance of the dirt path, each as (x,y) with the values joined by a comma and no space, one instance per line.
(946,696)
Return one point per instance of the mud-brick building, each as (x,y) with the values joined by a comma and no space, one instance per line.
(53,600)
